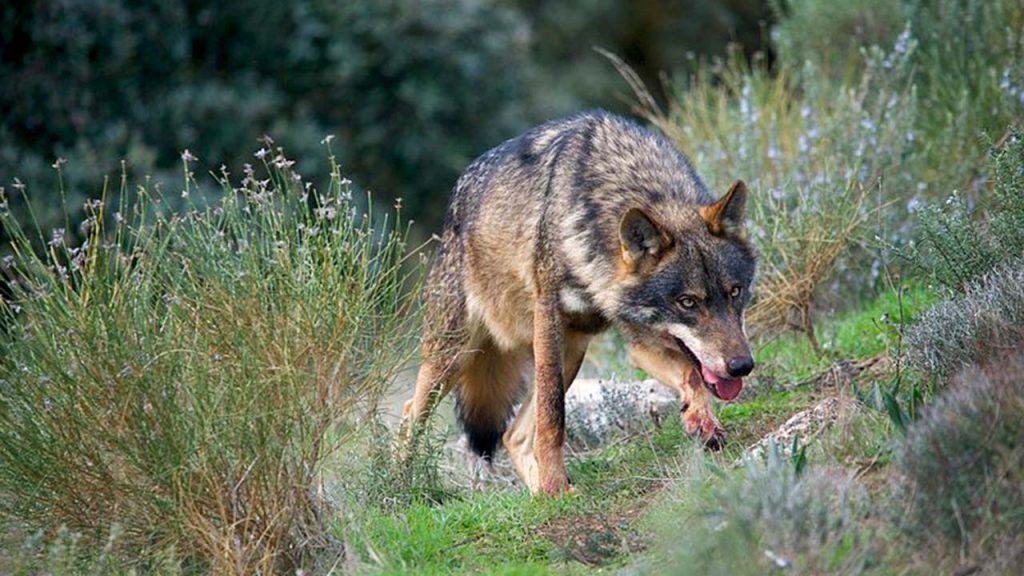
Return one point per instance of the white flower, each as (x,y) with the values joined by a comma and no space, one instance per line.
(902,42)
(327,212)
(56,237)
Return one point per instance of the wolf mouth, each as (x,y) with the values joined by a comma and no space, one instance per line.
(726,389)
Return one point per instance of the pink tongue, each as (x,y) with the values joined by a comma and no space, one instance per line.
(725,388)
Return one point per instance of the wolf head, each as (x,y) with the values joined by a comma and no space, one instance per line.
(686,280)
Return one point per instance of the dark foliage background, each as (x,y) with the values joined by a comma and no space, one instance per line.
(412,89)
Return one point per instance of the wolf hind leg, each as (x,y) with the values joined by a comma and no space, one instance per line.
(520,436)
(446,336)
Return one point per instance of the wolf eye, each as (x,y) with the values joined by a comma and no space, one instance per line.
(687,302)
(735,292)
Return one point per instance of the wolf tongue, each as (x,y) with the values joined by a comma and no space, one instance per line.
(725,388)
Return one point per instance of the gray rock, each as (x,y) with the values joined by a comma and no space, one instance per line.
(598,409)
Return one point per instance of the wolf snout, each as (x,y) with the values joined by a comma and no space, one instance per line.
(739,366)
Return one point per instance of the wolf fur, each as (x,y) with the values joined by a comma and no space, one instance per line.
(550,238)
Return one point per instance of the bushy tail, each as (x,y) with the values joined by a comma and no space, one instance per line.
(491,384)
(483,425)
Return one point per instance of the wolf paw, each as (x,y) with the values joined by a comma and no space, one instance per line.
(556,484)
(716,441)
(701,422)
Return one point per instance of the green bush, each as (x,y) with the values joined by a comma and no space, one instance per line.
(184,374)
(963,467)
(955,245)
(413,90)
(421,88)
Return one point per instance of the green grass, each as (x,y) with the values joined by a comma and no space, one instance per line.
(505,531)
(747,420)
(868,330)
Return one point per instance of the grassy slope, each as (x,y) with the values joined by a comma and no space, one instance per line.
(510,533)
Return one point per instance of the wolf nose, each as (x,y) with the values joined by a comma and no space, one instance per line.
(740,366)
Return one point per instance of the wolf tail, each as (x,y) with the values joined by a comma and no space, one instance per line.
(482,434)
(485,398)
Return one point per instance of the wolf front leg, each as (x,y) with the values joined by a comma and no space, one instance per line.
(519,438)
(673,369)
(433,382)
(549,395)
(698,417)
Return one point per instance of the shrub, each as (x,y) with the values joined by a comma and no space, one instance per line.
(963,467)
(966,67)
(831,35)
(183,375)
(972,327)
(955,246)
(765,517)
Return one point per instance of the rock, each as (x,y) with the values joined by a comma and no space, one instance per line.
(597,409)
(805,424)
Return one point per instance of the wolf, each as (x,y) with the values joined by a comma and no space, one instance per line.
(576,226)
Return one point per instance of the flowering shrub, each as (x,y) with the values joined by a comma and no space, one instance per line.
(954,246)
(966,67)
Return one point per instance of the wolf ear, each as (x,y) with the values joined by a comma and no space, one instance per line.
(641,237)
(725,217)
